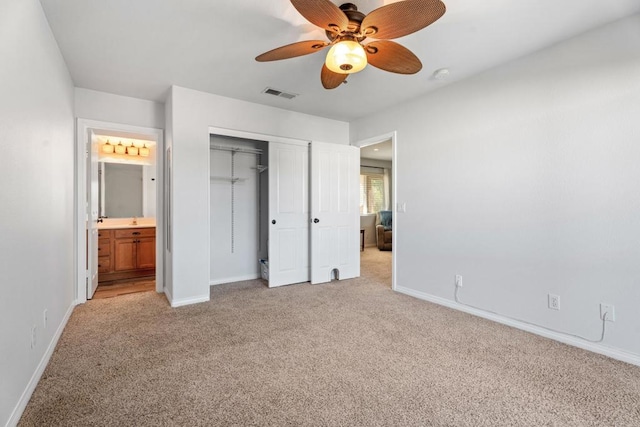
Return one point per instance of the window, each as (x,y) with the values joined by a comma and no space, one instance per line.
(372,197)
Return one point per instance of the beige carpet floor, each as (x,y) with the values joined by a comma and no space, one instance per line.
(349,353)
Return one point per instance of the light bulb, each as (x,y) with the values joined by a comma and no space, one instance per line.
(144,151)
(121,149)
(132,150)
(346,57)
(107,148)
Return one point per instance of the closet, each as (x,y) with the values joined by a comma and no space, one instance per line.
(293,203)
(238,189)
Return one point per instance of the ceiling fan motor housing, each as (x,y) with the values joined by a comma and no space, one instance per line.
(355,20)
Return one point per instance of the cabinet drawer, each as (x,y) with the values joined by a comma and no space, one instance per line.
(104,264)
(104,247)
(134,232)
(104,234)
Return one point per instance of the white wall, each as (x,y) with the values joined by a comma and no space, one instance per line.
(36,212)
(168,197)
(192,114)
(107,107)
(525,181)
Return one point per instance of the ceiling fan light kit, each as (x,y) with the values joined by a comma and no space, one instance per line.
(346,28)
(347,57)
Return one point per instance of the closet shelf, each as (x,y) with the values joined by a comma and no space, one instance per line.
(227,178)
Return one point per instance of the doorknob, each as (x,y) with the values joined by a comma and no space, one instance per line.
(316,220)
(273,221)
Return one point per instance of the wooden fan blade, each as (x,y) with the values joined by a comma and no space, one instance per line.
(402,18)
(322,13)
(390,56)
(331,80)
(292,50)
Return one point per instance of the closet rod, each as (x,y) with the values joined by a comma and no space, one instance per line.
(236,149)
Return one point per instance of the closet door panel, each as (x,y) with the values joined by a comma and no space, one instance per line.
(334,211)
(288,214)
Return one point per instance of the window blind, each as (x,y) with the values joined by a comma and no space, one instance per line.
(371,190)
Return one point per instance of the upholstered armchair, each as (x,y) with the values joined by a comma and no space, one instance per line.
(384,231)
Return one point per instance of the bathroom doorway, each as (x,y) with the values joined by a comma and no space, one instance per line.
(119,210)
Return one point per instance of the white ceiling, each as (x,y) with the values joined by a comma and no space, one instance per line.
(380,151)
(139,48)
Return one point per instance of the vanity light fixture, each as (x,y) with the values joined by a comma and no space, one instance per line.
(128,148)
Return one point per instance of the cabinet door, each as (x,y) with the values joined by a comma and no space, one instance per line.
(125,254)
(146,252)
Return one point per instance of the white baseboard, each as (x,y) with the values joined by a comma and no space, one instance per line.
(234,279)
(621,355)
(188,301)
(35,378)
(168,295)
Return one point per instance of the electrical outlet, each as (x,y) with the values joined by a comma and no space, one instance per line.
(554,302)
(33,336)
(45,318)
(609,310)
(458,280)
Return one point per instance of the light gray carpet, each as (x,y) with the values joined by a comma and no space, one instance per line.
(349,353)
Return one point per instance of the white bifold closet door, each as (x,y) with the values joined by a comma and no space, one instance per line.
(335,212)
(313,238)
(288,214)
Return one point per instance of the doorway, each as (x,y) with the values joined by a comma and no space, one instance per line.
(119,213)
(378,225)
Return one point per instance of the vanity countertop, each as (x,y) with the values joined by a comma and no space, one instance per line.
(114,226)
(114,223)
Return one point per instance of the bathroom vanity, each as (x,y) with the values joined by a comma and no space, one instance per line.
(126,252)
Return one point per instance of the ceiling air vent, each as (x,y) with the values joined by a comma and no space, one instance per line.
(279,93)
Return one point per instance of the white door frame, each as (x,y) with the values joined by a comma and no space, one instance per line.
(394,162)
(82,128)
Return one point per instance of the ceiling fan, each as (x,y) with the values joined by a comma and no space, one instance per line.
(347,28)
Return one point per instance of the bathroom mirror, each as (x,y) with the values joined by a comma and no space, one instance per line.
(126,190)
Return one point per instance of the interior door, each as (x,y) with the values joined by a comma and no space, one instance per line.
(288,214)
(335,223)
(92,223)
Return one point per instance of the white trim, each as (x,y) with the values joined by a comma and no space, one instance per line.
(37,374)
(82,128)
(234,279)
(168,295)
(393,136)
(187,301)
(621,355)
(256,136)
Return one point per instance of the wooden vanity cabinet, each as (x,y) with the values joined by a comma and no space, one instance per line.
(131,254)
(104,252)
